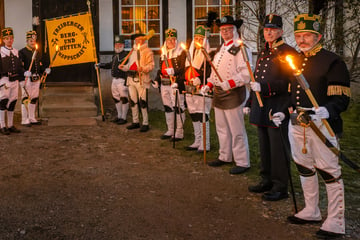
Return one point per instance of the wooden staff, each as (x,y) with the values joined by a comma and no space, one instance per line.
(31,64)
(126,58)
(305,86)
(246,59)
(96,62)
(208,58)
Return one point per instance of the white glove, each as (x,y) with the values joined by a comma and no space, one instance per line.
(255,86)
(170,71)
(277,118)
(321,112)
(174,85)
(196,81)
(48,71)
(225,85)
(204,89)
(155,84)
(27,74)
(246,110)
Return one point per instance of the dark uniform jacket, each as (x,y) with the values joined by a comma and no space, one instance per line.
(25,55)
(178,63)
(12,66)
(117,59)
(329,82)
(274,77)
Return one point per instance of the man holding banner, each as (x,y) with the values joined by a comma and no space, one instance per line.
(30,87)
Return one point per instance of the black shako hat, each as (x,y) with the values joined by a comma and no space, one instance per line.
(273,21)
(136,35)
(229,20)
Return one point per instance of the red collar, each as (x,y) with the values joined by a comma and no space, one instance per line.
(228,43)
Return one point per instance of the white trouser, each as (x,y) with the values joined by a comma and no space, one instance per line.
(233,141)
(168,98)
(118,91)
(8,90)
(137,92)
(32,88)
(320,156)
(195,104)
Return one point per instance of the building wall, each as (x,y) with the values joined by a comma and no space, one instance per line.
(105,25)
(177,18)
(18,15)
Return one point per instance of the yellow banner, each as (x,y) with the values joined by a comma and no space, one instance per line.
(73,37)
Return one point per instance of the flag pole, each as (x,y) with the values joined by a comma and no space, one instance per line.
(96,62)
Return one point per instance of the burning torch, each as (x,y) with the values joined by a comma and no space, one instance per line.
(209,60)
(305,86)
(44,76)
(246,59)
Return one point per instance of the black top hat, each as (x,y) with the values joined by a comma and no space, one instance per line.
(273,21)
(136,35)
(229,20)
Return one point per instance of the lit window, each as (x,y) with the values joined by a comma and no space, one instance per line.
(220,7)
(140,16)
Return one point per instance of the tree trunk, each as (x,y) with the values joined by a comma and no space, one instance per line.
(339,27)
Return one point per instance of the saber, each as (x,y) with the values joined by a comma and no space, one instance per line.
(304,118)
(208,58)
(246,59)
(204,117)
(288,153)
(305,86)
(197,94)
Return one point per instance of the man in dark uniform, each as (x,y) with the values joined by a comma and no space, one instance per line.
(31,85)
(170,77)
(329,83)
(12,72)
(119,90)
(272,80)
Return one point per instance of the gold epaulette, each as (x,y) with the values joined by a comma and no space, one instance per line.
(338,90)
(314,50)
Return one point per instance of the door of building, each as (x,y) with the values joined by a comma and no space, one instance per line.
(78,74)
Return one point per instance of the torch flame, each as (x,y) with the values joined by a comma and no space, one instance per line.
(57,48)
(183,46)
(240,42)
(163,50)
(289,59)
(36,46)
(198,44)
(138,46)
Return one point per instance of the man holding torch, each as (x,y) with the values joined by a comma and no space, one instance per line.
(324,74)
(31,59)
(272,79)
(12,73)
(170,77)
(227,80)
(141,63)
(194,76)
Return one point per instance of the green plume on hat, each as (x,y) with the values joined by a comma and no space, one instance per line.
(307,23)
(202,31)
(171,32)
